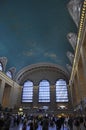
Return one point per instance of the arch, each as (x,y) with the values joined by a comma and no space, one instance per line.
(37,72)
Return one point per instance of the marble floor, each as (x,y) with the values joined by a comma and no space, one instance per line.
(39,128)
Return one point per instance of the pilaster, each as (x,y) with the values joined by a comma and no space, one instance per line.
(2,86)
(81,79)
(35,96)
(53,97)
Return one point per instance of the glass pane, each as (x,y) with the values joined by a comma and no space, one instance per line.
(9,74)
(27,94)
(1,68)
(61,91)
(28,83)
(44,91)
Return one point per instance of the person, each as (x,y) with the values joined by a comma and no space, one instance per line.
(70,123)
(76,124)
(31,125)
(45,123)
(7,122)
(35,124)
(24,126)
(58,123)
(1,123)
(85,122)
(82,127)
(65,126)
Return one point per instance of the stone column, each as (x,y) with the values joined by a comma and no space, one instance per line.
(14,95)
(2,86)
(35,96)
(81,79)
(52,97)
(77,89)
(19,96)
(70,94)
(73,95)
(83,57)
(6,96)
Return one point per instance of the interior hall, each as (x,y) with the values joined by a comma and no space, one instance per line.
(43,65)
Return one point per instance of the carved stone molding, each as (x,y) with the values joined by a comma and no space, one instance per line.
(37,72)
(3,61)
(70,56)
(74,8)
(72,38)
(69,67)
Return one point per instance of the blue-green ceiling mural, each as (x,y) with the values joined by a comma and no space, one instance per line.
(34,31)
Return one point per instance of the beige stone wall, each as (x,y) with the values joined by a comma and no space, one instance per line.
(78,75)
(9,91)
(11,95)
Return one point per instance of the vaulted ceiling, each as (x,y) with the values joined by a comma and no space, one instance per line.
(35,31)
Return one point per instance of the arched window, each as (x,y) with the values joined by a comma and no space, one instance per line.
(61,91)
(27,92)
(9,74)
(44,91)
(1,66)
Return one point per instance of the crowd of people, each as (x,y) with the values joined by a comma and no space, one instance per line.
(41,122)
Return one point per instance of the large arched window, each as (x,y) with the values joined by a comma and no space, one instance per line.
(9,74)
(1,67)
(27,92)
(61,91)
(44,91)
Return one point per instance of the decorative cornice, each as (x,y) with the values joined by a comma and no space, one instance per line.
(72,38)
